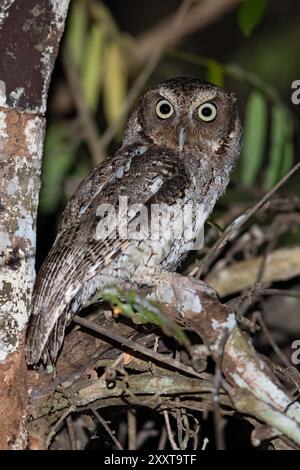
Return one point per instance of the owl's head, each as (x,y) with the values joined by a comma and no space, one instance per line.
(188,116)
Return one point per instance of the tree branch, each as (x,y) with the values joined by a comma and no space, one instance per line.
(281,265)
(164,35)
(30,32)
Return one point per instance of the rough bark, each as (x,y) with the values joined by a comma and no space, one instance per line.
(30,31)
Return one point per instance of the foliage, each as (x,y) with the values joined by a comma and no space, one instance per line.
(258,61)
(256,119)
(250,14)
(99,50)
(142,311)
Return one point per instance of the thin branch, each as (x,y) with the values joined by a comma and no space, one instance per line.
(282,292)
(144,75)
(218,420)
(281,265)
(205,443)
(233,229)
(163,439)
(257,316)
(58,425)
(270,247)
(179,422)
(107,429)
(169,362)
(179,417)
(163,35)
(71,432)
(131,419)
(169,431)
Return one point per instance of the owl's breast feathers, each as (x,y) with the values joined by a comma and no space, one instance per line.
(143,175)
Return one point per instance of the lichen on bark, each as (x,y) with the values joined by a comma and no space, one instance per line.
(30,32)
(20,164)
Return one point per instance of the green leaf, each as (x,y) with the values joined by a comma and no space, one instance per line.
(215,73)
(282,146)
(76,30)
(288,156)
(115,81)
(278,138)
(250,14)
(256,118)
(58,158)
(92,69)
(143,311)
(288,146)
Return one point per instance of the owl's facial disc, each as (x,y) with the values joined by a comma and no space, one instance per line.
(184,123)
(187,116)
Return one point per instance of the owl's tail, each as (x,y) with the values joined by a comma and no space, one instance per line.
(55,287)
(50,314)
(45,335)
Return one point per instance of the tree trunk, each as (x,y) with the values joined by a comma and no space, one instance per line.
(30,31)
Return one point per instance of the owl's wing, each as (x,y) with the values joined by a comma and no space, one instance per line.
(77,256)
(89,187)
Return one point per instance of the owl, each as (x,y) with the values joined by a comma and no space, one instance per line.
(179,147)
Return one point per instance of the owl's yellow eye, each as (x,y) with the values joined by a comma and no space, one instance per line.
(207,112)
(164,109)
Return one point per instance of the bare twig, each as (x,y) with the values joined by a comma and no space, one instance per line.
(205,443)
(58,425)
(179,417)
(169,431)
(270,247)
(164,35)
(169,362)
(163,439)
(179,422)
(257,316)
(142,78)
(194,433)
(71,432)
(131,419)
(218,420)
(107,429)
(281,265)
(282,292)
(233,229)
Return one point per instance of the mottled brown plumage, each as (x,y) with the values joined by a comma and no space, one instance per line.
(180,145)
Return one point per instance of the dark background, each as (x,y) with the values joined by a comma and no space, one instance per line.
(268,62)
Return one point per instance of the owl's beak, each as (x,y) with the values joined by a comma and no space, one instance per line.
(181,138)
